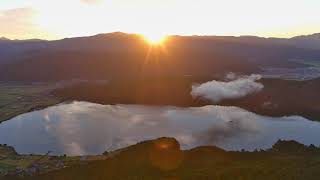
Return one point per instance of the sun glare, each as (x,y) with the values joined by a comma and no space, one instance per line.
(155,39)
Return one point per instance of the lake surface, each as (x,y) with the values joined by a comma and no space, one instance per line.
(81,128)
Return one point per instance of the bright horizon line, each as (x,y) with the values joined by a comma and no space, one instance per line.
(58,19)
(130,33)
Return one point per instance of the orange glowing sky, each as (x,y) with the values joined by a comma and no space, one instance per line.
(48,19)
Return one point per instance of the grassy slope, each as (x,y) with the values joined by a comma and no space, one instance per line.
(163,159)
(13,163)
(18,99)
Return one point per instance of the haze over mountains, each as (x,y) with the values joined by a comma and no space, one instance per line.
(106,56)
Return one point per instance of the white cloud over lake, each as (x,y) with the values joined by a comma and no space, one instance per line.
(220,90)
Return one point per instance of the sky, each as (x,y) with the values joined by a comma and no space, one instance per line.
(56,19)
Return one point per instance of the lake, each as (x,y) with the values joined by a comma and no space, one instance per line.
(82,128)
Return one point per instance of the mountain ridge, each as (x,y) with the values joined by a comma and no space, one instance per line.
(115,54)
(119,33)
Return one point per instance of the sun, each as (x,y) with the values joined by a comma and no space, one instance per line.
(154,39)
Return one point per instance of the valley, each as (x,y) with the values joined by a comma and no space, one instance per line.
(98,107)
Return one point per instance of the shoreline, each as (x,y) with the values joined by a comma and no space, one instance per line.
(36,108)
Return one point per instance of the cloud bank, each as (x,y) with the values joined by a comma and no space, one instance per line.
(16,21)
(219,90)
(20,23)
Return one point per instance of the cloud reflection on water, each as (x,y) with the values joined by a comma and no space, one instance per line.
(85,128)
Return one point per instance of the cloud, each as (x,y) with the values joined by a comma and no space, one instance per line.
(19,22)
(218,90)
(16,21)
(234,122)
(74,149)
(231,76)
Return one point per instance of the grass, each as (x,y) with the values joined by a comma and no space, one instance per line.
(163,159)
(11,162)
(17,99)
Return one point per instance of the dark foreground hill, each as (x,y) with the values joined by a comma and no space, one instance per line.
(163,159)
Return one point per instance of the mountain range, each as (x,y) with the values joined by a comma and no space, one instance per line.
(118,54)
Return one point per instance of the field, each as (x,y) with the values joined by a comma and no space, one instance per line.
(16,99)
(22,165)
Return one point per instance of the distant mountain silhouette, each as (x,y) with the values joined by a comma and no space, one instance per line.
(106,56)
(4,39)
(310,41)
(315,36)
